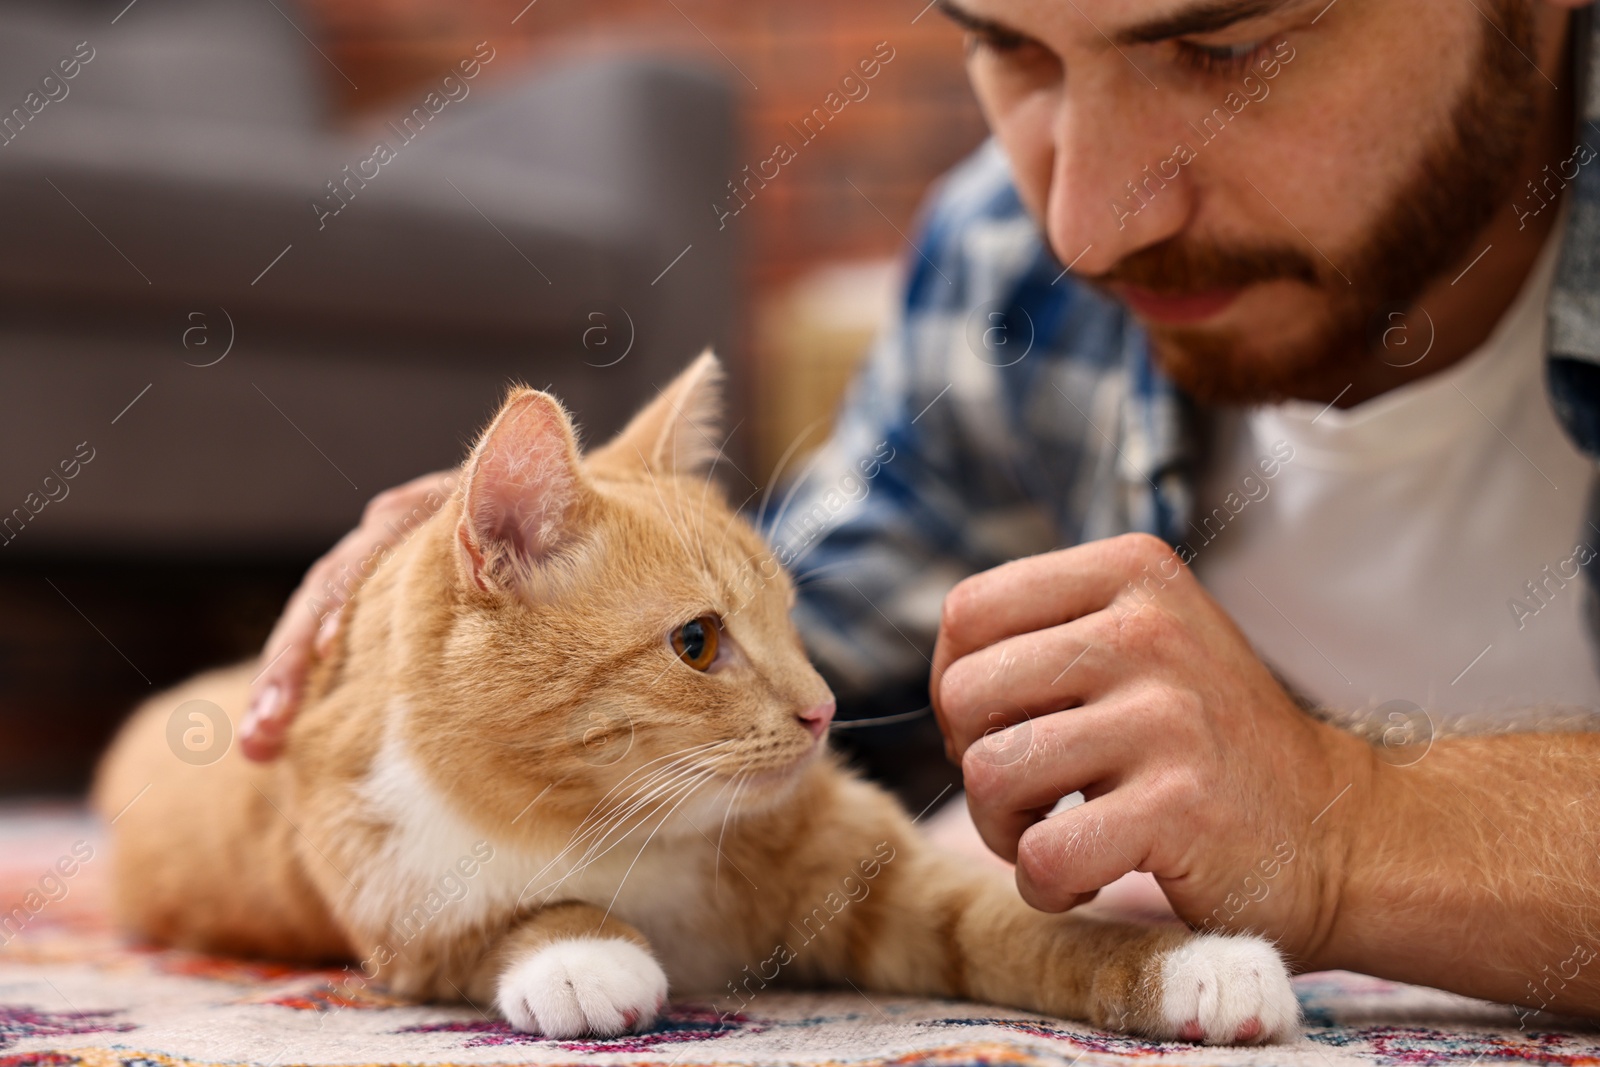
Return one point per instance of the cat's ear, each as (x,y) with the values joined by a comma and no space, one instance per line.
(523,490)
(678,431)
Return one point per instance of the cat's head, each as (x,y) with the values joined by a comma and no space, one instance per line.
(615,629)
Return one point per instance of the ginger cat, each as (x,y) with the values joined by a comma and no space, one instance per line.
(568,753)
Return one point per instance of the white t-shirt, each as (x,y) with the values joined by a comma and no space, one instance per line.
(1402,552)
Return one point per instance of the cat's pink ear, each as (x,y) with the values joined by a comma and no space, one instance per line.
(678,432)
(523,490)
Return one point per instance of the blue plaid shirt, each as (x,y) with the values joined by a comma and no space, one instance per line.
(1009,410)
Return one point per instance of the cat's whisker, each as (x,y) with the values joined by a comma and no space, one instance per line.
(684,757)
(728,783)
(722,453)
(655,792)
(699,536)
(650,793)
(783,461)
(666,513)
(689,781)
(597,820)
(678,793)
(624,881)
(639,803)
(644,773)
(806,576)
(683,518)
(674,756)
(706,490)
(700,543)
(738,781)
(737,514)
(788,499)
(625,829)
(598,825)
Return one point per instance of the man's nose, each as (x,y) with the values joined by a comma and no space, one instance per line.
(1116,185)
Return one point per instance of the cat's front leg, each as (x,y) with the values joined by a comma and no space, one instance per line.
(1223,989)
(568,970)
(946,929)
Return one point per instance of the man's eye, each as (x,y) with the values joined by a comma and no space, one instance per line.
(999,42)
(1220,59)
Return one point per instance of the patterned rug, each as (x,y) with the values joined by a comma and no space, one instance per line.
(73,993)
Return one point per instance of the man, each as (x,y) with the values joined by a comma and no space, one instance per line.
(1285,314)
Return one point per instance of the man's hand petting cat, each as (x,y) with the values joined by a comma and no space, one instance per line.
(310,620)
(1107,669)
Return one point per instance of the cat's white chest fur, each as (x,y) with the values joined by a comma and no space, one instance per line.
(440,875)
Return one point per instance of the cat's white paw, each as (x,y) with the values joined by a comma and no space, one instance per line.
(1227,991)
(582,987)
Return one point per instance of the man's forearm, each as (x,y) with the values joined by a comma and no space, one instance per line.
(1476,869)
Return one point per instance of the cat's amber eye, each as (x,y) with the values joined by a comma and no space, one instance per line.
(695,641)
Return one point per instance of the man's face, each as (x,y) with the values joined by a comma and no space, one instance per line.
(1259,181)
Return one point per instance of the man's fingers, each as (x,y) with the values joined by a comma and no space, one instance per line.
(1015,776)
(1020,678)
(274,694)
(402,499)
(1043,591)
(286,657)
(1082,850)
(310,621)
(329,630)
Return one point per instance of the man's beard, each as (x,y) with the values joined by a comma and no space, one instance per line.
(1463,178)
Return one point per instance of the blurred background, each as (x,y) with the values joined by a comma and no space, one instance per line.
(265,258)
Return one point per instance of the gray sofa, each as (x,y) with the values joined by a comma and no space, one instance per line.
(246,373)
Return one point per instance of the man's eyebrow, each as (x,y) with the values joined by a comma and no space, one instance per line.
(1201,18)
(978,24)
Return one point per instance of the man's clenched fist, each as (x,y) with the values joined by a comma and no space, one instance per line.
(1107,669)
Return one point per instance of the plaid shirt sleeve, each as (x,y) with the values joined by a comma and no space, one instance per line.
(1000,414)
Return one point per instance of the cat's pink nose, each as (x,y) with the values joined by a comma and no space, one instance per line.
(817,718)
